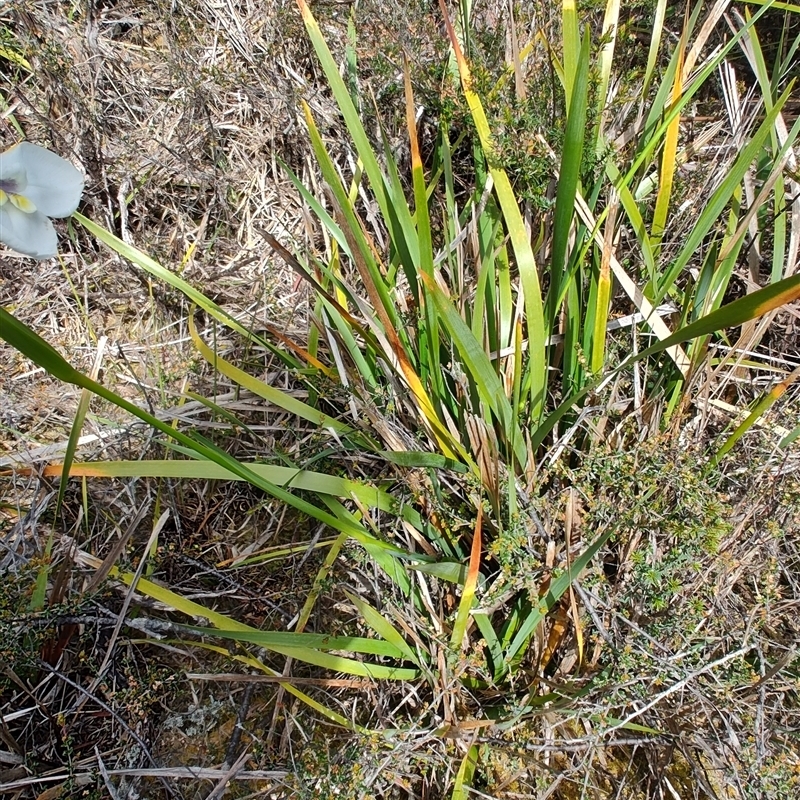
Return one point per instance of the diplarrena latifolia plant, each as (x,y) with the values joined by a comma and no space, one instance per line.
(469,340)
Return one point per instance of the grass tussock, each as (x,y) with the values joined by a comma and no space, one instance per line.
(462,359)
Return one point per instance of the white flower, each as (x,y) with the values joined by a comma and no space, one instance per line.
(35,184)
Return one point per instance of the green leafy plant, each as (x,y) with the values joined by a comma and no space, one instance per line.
(440,317)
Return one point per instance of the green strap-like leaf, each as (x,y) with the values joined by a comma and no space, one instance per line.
(517,233)
(40,352)
(479,367)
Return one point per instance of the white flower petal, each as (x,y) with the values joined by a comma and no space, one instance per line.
(54,186)
(29,234)
(11,162)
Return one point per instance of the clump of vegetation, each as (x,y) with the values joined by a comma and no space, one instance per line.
(478,513)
